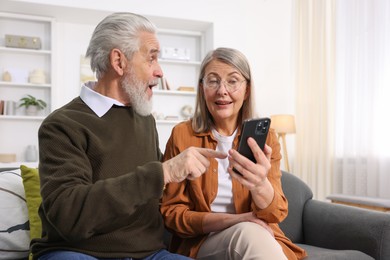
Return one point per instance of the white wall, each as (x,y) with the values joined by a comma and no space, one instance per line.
(259,28)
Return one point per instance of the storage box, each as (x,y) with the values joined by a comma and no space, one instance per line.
(25,42)
(172,53)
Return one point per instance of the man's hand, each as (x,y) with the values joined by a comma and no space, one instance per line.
(189,164)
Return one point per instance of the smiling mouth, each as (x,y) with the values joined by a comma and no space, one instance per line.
(222,103)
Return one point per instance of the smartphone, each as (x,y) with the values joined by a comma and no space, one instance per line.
(257,129)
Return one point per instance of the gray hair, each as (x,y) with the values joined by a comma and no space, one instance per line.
(202,119)
(118,30)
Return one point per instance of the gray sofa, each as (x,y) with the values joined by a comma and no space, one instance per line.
(333,231)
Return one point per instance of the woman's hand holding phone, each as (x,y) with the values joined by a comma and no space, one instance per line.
(254,175)
(258,130)
(252,171)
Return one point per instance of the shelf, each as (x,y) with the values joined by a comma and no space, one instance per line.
(179,62)
(174,92)
(39,118)
(24,51)
(168,122)
(16,165)
(195,33)
(24,85)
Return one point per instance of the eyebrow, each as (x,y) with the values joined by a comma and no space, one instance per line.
(154,51)
(229,74)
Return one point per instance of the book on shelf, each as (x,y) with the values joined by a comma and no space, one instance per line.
(186,88)
(1,107)
(163,84)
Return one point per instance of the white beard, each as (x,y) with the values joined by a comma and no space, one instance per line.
(135,88)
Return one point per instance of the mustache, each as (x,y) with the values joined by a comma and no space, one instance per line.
(153,82)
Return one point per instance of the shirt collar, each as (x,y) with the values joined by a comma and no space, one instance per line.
(99,103)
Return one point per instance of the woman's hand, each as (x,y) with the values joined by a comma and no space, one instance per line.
(254,219)
(254,175)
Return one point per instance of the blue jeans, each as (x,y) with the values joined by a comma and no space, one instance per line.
(70,255)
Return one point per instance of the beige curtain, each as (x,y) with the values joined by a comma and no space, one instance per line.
(362,143)
(313,40)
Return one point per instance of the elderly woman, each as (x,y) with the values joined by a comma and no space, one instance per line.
(223,214)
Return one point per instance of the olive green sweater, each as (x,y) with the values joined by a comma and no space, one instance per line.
(101,182)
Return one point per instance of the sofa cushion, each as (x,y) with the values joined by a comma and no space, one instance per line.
(14,221)
(319,253)
(33,197)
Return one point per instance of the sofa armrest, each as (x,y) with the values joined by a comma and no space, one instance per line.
(336,226)
(361,201)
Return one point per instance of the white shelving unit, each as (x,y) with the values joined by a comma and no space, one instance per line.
(180,72)
(170,103)
(17,130)
(72,28)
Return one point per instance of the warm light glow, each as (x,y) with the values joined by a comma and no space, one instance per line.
(283,123)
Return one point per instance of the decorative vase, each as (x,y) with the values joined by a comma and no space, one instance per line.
(32,110)
(7,76)
(31,153)
(37,77)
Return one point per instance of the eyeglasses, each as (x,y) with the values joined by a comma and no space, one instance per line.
(231,84)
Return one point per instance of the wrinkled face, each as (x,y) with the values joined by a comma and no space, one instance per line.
(142,74)
(223,101)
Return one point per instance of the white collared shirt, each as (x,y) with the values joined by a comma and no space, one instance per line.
(99,103)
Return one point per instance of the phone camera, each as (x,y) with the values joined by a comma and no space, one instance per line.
(261,127)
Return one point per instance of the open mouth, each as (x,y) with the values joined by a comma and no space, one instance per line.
(223,102)
(153,84)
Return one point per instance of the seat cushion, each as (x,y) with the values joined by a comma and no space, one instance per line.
(318,253)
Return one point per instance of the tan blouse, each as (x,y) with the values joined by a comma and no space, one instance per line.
(185,204)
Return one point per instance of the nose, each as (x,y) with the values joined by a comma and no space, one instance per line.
(222,87)
(157,71)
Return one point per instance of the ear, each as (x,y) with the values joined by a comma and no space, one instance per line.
(118,61)
(247,92)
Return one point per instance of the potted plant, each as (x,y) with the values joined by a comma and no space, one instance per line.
(32,104)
